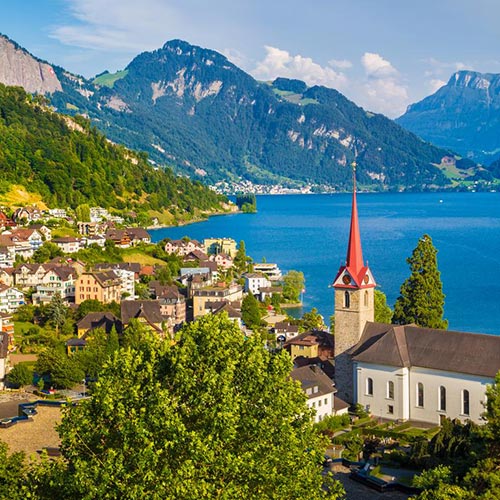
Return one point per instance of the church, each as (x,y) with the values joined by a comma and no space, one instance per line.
(404,372)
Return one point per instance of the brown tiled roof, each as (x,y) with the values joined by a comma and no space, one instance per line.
(311,376)
(410,345)
(339,404)
(324,339)
(196,255)
(125,266)
(104,320)
(324,363)
(138,233)
(148,309)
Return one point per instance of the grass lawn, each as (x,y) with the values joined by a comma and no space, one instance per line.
(141,258)
(20,327)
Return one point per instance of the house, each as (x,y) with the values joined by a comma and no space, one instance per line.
(43,230)
(119,237)
(104,320)
(58,213)
(68,244)
(95,239)
(214,246)
(318,388)
(138,235)
(285,330)
(404,372)
(28,275)
(254,282)
(75,345)
(25,240)
(223,260)
(104,286)
(7,252)
(10,299)
(6,276)
(311,345)
(195,256)
(147,312)
(57,279)
(232,309)
(182,247)
(127,275)
(27,214)
(206,294)
(272,271)
(172,303)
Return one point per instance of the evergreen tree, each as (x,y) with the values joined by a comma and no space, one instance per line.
(421,298)
(250,311)
(383,313)
(57,311)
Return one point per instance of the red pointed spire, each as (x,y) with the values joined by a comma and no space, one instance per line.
(354,261)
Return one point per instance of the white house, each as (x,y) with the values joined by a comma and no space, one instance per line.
(318,388)
(254,282)
(68,244)
(10,299)
(272,271)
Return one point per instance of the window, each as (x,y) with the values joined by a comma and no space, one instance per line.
(369,386)
(366,298)
(390,389)
(326,401)
(390,409)
(319,402)
(420,395)
(347,300)
(442,398)
(315,389)
(465,402)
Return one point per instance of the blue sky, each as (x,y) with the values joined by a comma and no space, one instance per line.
(382,54)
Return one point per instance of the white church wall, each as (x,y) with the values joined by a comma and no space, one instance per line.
(454,384)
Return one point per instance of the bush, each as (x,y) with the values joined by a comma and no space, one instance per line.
(20,376)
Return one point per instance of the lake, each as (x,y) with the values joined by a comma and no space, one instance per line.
(309,233)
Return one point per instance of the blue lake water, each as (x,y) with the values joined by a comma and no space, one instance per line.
(309,233)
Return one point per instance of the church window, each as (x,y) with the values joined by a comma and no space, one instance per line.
(420,395)
(347,300)
(366,298)
(390,409)
(442,398)
(369,386)
(390,389)
(465,402)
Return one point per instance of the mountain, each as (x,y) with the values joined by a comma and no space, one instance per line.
(65,162)
(463,115)
(191,108)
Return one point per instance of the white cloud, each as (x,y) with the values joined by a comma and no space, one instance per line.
(340,63)
(117,25)
(376,66)
(383,90)
(280,62)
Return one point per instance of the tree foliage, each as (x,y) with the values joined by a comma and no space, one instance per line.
(421,299)
(383,313)
(293,284)
(20,375)
(212,416)
(251,313)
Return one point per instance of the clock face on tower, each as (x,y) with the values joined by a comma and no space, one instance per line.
(366,279)
(346,279)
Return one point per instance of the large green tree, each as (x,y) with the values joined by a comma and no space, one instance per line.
(213,416)
(421,299)
(293,284)
(251,313)
(383,313)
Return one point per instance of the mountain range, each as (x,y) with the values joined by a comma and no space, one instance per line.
(192,109)
(463,115)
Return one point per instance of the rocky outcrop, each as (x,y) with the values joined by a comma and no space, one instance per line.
(19,68)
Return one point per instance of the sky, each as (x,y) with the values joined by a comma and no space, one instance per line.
(382,54)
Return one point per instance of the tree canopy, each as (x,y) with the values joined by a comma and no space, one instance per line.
(421,298)
(213,416)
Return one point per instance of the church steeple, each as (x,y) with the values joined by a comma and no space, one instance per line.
(354,304)
(354,260)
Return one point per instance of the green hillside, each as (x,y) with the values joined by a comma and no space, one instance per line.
(68,162)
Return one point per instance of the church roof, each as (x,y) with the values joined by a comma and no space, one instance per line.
(410,345)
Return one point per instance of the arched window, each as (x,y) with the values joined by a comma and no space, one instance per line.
(465,402)
(366,298)
(390,389)
(420,395)
(442,398)
(347,300)
(369,386)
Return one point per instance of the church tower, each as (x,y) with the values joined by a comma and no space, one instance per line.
(354,303)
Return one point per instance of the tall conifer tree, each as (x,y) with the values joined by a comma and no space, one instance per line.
(421,298)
